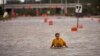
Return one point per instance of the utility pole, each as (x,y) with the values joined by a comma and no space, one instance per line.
(50,1)
(3,6)
(65,7)
(77,15)
(62,7)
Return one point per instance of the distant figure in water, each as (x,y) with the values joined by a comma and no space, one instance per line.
(58,42)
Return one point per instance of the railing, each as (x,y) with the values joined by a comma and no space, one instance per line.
(39,5)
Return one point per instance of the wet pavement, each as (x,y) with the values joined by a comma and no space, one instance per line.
(31,36)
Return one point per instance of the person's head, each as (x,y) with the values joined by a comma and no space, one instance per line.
(57,35)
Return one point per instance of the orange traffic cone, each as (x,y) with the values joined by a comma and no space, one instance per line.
(74,29)
(44,15)
(45,20)
(50,22)
(80,26)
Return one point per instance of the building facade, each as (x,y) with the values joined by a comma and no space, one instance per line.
(39,7)
(51,7)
